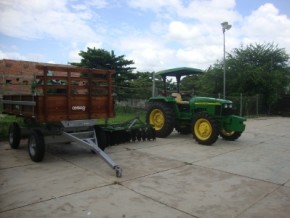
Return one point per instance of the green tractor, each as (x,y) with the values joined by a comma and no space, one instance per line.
(206,118)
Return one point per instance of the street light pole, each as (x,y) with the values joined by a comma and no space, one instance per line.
(225,26)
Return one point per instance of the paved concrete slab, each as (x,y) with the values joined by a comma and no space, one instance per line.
(202,192)
(257,162)
(171,177)
(190,151)
(28,184)
(107,201)
(276,204)
(134,163)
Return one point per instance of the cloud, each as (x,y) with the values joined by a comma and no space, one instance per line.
(266,25)
(182,31)
(147,52)
(33,19)
(19,56)
(194,36)
(177,33)
(155,6)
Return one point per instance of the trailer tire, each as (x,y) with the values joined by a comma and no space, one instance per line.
(161,116)
(205,129)
(101,137)
(230,136)
(14,135)
(36,146)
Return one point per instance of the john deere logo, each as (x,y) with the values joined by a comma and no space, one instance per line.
(78,108)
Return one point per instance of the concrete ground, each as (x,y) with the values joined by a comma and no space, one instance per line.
(172,177)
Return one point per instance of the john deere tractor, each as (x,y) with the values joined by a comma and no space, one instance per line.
(206,118)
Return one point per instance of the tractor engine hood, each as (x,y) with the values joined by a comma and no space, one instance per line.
(209,101)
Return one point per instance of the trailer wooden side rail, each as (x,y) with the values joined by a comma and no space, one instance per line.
(65,93)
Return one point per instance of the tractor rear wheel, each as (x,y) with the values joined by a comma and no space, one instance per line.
(230,135)
(205,129)
(161,116)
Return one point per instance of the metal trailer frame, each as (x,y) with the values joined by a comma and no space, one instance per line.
(79,131)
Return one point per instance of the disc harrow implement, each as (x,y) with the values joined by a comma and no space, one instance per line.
(130,131)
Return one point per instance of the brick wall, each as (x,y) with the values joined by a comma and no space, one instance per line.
(16,76)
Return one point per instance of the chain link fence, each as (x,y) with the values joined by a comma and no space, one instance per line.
(243,105)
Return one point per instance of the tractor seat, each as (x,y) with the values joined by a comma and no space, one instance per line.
(178,98)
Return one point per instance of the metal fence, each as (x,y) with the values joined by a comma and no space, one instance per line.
(137,98)
(243,105)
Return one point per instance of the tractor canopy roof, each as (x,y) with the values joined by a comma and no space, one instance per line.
(179,72)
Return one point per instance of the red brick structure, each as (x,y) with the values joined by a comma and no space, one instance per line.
(16,76)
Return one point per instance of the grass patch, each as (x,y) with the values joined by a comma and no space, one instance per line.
(5,121)
(124,114)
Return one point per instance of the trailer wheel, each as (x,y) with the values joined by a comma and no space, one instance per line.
(14,135)
(36,146)
(205,129)
(161,116)
(230,136)
(101,137)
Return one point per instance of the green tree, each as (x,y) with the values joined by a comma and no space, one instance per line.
(253,69)
(259,69)
(141,85)
(102,59)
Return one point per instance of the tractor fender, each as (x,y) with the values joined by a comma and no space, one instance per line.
(233,123)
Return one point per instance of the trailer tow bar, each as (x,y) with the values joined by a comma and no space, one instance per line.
(88,138)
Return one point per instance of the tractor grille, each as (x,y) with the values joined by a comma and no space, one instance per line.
(224,111)
(227,111)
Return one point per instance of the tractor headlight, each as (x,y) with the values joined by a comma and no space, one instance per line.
(230,106)
(226,106)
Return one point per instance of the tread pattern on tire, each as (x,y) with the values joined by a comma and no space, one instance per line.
(232,137)
(169,118)
(14,129)
(214,125)
(40,146)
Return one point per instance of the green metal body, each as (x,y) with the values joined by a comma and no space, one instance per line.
(220,109)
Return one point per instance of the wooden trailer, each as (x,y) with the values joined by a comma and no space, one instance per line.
(63,105)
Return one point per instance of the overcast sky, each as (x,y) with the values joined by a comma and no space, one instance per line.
(155,34)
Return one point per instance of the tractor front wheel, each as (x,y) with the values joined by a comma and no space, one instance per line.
(230,135)
(161,116)
(205,129)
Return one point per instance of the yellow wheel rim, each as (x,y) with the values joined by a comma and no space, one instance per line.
(202,129)
(157,119)
(226,133)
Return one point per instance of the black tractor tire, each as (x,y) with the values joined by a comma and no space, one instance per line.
(14,135)
(205,129)
(161,116)
(36,146)
(101,137)
(230,136)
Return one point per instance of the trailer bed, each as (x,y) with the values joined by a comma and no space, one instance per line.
(65,93)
